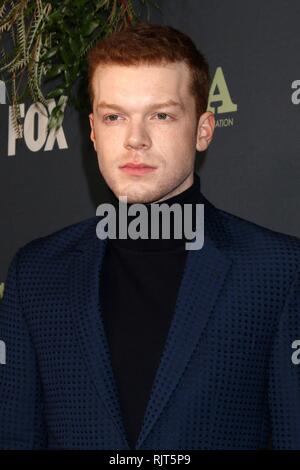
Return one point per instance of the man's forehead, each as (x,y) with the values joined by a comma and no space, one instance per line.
(148,75)
(162,82)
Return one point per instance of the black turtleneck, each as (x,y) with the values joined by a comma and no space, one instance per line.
(139,286)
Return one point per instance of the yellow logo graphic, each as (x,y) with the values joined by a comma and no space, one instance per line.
(219,100)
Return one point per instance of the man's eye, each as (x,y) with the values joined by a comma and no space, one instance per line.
(111,117)
(162,116)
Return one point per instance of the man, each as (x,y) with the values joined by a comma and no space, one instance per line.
(138,343)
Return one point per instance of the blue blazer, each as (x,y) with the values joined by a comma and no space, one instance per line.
(229,375)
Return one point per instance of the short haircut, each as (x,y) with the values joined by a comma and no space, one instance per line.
(145,43)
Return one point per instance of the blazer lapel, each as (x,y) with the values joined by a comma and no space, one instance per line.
(84,278)
(202,281)
(203,278)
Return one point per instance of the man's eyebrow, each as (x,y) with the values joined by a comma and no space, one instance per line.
(165,104)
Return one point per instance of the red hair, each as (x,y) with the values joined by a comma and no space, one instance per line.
(145,43)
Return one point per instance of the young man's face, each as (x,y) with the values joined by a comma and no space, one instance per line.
(146,115)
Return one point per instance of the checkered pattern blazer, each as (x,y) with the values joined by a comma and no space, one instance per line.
(229,374)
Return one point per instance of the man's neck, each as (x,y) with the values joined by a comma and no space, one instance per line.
(190,196)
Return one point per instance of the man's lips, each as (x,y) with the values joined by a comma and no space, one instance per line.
(137,168)
(137,165)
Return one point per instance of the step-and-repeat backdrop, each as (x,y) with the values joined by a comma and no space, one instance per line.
(252,168)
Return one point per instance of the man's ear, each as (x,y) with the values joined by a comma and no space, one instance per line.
(92,134)
(206,127)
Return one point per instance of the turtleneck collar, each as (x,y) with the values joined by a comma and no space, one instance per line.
(191,195)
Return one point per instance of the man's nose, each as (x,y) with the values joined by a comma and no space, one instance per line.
(137,136)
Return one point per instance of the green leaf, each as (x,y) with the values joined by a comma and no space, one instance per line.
(49,54)
(55,71)
(74,44)
(62,101)
(56,92)
(56,118)
(66,54)
(90,27)
(80,3)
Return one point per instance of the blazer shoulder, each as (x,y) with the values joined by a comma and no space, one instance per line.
(60,242)
(253,238)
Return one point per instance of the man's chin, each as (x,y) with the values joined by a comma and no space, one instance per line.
(132,199)
(142,195)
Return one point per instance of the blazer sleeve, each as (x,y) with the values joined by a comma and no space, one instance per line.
(21,416)
(284,374)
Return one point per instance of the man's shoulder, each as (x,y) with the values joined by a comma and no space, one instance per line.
(249,237)
(60,243)
(240,225)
